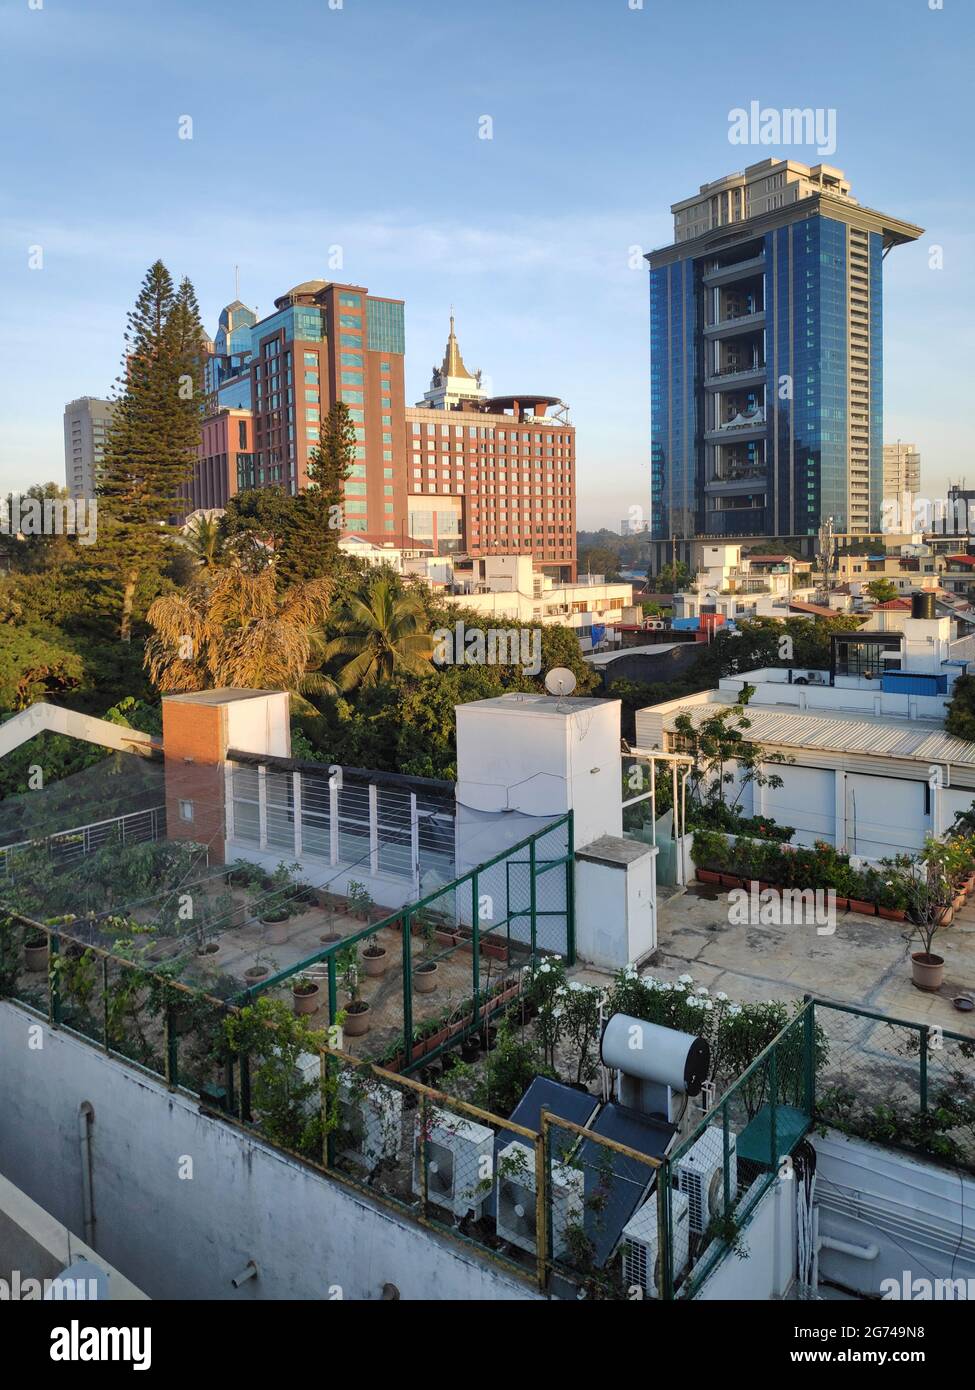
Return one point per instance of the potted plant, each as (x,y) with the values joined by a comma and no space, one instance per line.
(359,900)
(425,974)
(375,958)
(357,1009)
(260,970)
(36,949)
(929,895)
(304,994)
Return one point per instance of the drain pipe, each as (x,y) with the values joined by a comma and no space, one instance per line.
(843,1247)
(86,1118)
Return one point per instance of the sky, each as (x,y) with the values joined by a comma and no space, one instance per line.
(358,124)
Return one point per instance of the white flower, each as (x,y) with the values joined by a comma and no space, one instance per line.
(697,1002)
(556,1013)
(544,968)
(576,984)
(721,997)
(686,979)
(708,1005)
(680,987)
(666,985)
(734,1010)
(703,991)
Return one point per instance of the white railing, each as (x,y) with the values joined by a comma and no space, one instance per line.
(68,846)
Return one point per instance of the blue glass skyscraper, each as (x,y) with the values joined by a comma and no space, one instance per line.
(766,348)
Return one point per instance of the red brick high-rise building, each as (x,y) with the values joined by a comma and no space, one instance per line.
(278,378)
(461,471)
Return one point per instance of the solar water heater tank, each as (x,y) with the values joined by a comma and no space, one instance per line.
(653,1062)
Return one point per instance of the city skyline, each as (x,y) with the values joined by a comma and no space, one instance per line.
(535,251)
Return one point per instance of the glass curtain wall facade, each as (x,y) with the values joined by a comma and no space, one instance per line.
(766,383)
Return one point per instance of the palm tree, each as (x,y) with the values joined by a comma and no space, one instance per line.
(232,628)
(204,540)
(382,634)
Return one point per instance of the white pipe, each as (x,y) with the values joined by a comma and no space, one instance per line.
(843,1247)
(86,1116)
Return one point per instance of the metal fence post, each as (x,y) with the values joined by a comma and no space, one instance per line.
(542,1203)
(532,900)
(424,1147)
(726,1157)
(665,1262)
(925,1033)
(475,946)
(809,1054)
(773,1096)
(407,988)
(570,892)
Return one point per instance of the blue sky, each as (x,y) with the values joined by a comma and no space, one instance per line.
(357,127)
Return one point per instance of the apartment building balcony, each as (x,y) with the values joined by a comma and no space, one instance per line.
(736,481)
(732,327)
(746,376)
(741,270)
(741,429)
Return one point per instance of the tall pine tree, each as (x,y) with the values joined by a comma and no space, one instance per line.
(155,434)
(311,549)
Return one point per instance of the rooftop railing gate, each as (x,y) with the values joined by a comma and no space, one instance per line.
(469,940)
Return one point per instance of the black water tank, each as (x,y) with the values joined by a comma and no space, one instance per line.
(922,605)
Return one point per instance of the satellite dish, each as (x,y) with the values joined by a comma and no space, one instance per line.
(560,681)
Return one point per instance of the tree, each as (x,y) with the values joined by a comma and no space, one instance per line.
(960,719)
(235,630)
(154,436)
(672,579)
(722,754)
(882,590)
(381,634)
(313,548)
(205,541)
(255,524)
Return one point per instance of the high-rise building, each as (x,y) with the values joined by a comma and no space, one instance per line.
(902,470)
(491,475)
(86,424)
(767,358)
(271,382)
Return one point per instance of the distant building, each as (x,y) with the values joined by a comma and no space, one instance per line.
(767,357)
(491,475)
(902,470)
(86,425)
(280,376)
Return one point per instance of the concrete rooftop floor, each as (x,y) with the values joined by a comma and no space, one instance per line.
(866,961)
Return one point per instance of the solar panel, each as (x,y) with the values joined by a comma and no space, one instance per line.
(616,1184)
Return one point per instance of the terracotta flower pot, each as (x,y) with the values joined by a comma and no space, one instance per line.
(277,932)
(357,1019)
(305,1001)
(255,974)
(858,905)
(425,977)
(36,957)
(927,972)
(842,904)
(375,965)
(730,881)
(945,916)
(708,876)
(892,914)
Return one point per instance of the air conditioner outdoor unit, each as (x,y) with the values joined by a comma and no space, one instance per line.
(517,1197)
(370,1120)
(640,1246)
(460,1157)
(700,1175)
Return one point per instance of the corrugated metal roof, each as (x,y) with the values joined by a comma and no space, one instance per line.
(877,736)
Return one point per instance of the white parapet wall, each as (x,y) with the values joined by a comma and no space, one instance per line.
(184,1201)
